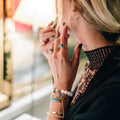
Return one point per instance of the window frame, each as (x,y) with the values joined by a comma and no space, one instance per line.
(5,61)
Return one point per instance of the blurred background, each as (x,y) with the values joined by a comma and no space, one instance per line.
(25,77)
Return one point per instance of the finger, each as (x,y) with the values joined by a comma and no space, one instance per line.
(48,35)
(45,34)
(46,43)
(54,24)
(50,23)
(51,49)
(76,55)
(45,38)
(46,30)
(64,36)
(45,46)
(56,45)
(63,42)
(57,34)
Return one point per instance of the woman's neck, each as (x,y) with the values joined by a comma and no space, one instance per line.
(92,40)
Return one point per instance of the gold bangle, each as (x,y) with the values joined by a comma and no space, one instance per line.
(57,116)
(57,113)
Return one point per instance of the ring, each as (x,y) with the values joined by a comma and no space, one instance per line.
(63,46)
(51,50)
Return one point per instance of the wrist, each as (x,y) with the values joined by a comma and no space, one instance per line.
(61,91)
(62,87)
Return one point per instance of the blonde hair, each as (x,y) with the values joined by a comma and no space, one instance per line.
(104,14)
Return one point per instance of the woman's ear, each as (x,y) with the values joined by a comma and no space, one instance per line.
(77,12)
(74,20)
(76,15)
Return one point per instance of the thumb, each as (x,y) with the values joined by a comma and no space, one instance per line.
(76,55)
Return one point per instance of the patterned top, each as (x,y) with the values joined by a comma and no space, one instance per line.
(96,58)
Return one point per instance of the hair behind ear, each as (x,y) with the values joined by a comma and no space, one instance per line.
(103,14)
(114,8)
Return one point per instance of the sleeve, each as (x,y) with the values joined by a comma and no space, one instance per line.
(105,112)
(105,107)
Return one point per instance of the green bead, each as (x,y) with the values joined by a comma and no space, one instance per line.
(61,45)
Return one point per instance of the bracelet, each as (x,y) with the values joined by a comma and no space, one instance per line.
(57,115)
(57,99)
(69,93)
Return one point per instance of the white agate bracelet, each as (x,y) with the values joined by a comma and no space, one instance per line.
(69,93)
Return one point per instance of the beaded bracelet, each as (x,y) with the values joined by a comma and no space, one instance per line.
(69,93)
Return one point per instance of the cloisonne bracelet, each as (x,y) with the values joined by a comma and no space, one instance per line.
(58,99)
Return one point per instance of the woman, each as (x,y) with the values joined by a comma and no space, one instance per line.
(96,25)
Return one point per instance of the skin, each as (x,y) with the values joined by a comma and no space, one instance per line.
(63,69)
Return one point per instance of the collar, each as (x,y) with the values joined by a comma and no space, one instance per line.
(98,56)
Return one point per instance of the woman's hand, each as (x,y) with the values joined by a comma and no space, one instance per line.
(45,41)
(63,69)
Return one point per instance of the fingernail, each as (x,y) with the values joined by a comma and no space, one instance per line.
(80,46)
(64,24)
